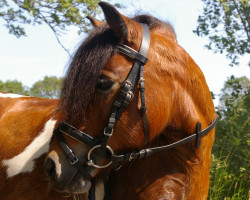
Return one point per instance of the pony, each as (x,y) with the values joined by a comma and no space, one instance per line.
(176,95)
(101,108)
(26,128)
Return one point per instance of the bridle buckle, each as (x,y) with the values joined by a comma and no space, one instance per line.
(109,134)
(126,86)
(74,160)
(141,80)
(131,94)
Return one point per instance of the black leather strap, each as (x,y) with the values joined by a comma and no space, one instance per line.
(132,53)
(77,134)
(91,195)
(198,135)
(107,190)
(74,161)
(144,153)
(136,75)
(144,109)
(125,95)
(144,51)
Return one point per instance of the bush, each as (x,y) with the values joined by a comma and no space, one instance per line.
(230,154)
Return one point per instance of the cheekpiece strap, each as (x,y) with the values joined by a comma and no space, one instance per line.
(126,95)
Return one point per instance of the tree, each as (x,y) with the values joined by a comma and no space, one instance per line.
(227,25)
(230,165)
(49,87)
(57,14)
(233,110)
(13,87)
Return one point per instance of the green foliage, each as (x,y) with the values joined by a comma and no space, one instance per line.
(231,157)
(13,87)
(57,14)
(225,183)
(227,25)
(49,87)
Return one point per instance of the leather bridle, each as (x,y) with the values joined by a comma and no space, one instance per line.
(124,97)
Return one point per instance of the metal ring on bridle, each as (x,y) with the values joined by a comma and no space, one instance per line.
(92,164)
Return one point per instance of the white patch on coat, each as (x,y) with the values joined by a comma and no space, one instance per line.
(9,95)
(99,191)
(24,162)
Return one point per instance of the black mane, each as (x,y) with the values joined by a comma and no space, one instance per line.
(83,72)
(84,69)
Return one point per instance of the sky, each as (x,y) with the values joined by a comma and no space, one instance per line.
(29,59)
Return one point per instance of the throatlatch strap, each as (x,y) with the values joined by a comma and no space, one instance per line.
(144,51)
(143,106)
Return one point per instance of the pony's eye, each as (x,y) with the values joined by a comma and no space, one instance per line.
(104,83)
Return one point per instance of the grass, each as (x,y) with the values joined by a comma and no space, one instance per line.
(229,179)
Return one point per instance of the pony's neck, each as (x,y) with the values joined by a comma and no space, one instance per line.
(160,176)
(192,102)
(24,162)
(172,174)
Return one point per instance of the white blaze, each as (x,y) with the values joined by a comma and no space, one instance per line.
(24,162)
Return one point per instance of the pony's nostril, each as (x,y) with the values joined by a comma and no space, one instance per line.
(50,167)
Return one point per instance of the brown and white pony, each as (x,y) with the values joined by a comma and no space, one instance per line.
(26,128)
(177,97)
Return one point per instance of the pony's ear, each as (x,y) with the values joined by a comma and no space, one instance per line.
(123,27)
(95,22)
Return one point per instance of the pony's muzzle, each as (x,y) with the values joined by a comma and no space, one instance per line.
(63,176)
(50,167)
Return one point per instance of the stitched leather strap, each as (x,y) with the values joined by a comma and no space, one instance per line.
(144,51)
(132,53)
(144,153)
(125,95)
(70,154)
(91,195)
(77,134)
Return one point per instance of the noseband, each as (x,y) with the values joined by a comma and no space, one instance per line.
(124,97)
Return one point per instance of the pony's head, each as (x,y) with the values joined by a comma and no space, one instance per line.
(98,99)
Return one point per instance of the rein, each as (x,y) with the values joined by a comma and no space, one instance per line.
(123,99)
